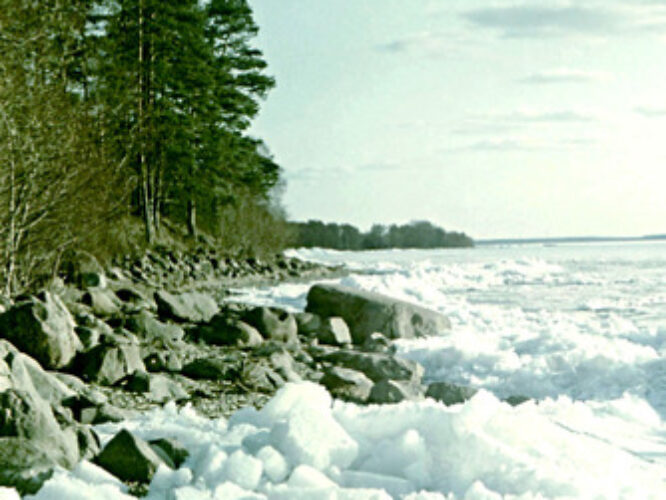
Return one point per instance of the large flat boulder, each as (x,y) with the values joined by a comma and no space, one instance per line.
(369,312)
(189,307)
(42,327)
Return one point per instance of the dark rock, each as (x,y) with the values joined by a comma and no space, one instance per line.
(376,366)
(193,307)
(449,394)
(129,458)
(163,361)
(211,369)
(517,400)
(171,448)
(346,384)
(308,323)
(88,441)
(334,331)
(368,312)
(223,330)
(137,298)
(273,324)
(392,391)
(43,328)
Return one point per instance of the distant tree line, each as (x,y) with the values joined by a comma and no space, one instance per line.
(119,111)
(418,234)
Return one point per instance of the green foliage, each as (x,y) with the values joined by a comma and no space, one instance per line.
(111,109)
(419,234)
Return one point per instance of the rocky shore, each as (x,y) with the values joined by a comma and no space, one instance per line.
(103,344)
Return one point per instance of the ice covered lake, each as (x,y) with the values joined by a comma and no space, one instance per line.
(580,328)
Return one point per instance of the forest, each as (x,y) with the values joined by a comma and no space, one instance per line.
(417,234)
(123,124)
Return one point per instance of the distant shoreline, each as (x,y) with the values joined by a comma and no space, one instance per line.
(572,239)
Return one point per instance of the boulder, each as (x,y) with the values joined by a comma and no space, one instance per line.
(190,307)
(107,364)
(19,371)
(136,297)
(368,312)
(260,377)
(308,323)
(145,326)
(43,328)
(223,330)
(171,448)
(347,384)
(156,387)
(449,394)
(273,324)
(334,331)
(31,441)
(376,366)
(102,301)
(129,458)
(377,342)
(211,369)
(163,361)
(393,391)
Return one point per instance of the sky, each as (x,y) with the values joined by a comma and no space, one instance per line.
(538,118)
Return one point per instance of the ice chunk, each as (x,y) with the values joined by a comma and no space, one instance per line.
(313,437)
(64,485)
(166,479)
(243,469)
(305,476)
(275,466)
(296,396)
(93,474)
(189,493)
(231,491)
(395,486)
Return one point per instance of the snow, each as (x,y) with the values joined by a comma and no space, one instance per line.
(579,329)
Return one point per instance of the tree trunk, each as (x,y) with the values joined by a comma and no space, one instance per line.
(192,218)
(148,218)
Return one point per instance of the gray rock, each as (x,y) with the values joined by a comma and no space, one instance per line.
(107,364)
(193,307)
(129,458)
(157,387)
(449,394)
(222,330)
(273,324)
(376,366)
(334,331)
(163,361)
(308,323)
(377,342)
(260,377)
(367,312)
(211,369)
(145,326)
(43,328)
(136,297)
(347,384)
(392,391)
(102,301)
(31,441)
(21,372)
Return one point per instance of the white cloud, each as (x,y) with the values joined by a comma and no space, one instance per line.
(651,112)
(563,75)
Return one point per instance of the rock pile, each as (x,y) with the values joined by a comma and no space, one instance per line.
(121,343)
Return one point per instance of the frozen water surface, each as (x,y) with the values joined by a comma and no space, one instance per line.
(579,328)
